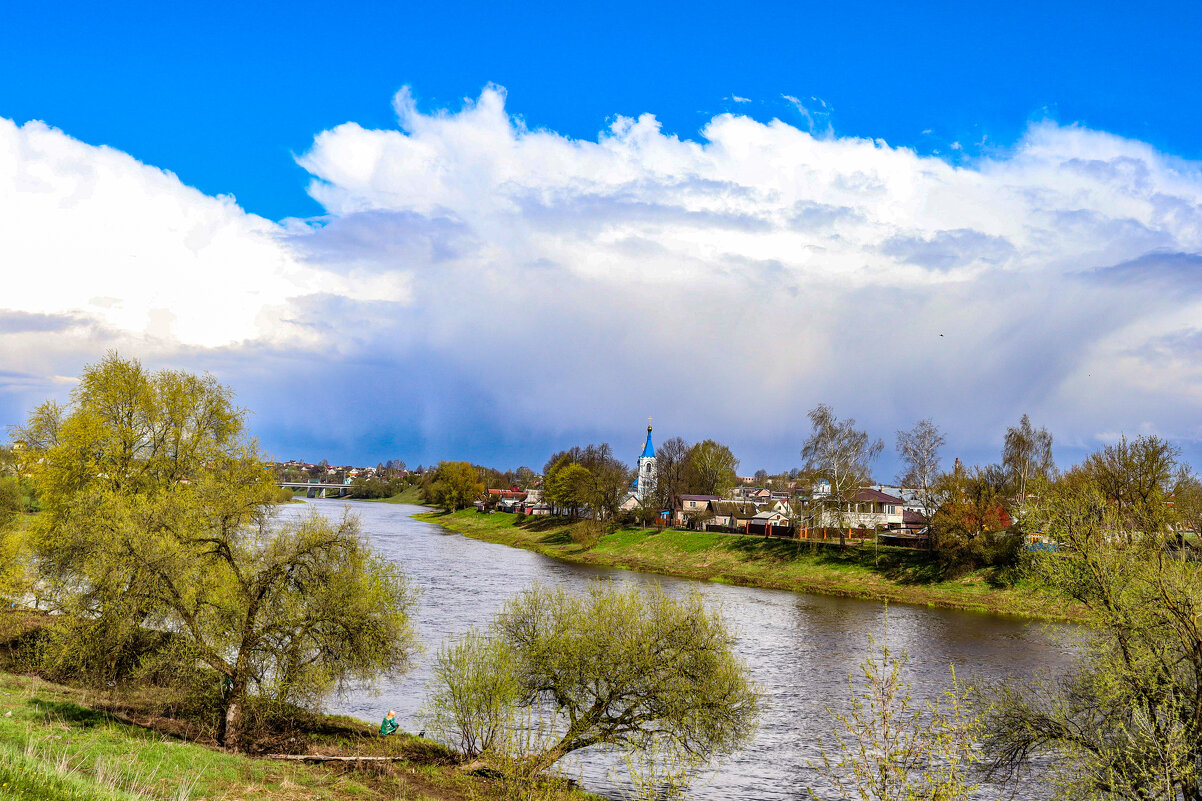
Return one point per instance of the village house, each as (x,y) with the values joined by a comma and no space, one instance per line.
(728,513)
(692,506)
(867,509)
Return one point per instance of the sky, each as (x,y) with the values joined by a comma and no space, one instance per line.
(492,231)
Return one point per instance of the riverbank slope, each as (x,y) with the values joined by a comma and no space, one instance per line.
(897,575)
(60,743)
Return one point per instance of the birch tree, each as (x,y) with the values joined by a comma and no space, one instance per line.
(918,449)
(1027,458)
(843,455)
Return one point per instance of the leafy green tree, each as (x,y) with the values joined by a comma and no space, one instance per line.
(453,486)
(567,486)
(1127,722)
(159,518)
(12,551)
(711,469)
(1137,477)
(475,693)
(617,667)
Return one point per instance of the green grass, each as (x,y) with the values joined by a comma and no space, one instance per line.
(898,575)
(59,744)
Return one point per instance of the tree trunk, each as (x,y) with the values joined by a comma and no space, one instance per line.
(229,728)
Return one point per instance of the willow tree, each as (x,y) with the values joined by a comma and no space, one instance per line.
(1126,721)
(627,669)
(159,519)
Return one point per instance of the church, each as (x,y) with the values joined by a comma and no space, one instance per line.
(642,489)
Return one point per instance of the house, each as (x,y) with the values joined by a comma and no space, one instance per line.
(764,522)
(692,506)
(728,513)
(913,521)
(867,508)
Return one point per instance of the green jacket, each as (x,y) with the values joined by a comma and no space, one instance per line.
(389,726)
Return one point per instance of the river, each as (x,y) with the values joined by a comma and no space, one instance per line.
(800,648)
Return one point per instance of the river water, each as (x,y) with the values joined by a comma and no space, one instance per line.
(800,648)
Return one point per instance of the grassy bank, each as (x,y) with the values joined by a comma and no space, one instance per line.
(411,495)
(897,575)
(63,744)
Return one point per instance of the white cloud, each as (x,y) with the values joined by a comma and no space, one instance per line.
(738,279)
(94,238)
(507,279)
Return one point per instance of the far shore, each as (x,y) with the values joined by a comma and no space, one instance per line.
(894,575)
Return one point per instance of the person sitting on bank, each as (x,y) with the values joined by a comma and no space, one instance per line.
(389,725)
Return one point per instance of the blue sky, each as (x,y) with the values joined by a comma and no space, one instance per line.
(1022,178)
(223,93)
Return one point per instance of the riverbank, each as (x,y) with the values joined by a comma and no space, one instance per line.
(60,743)
(896,575)
(412,495)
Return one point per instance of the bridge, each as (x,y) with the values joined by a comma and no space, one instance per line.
(341,490)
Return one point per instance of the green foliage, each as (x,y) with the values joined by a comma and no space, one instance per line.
(711,469)
(159,518)
(589,479)
(475,694)
(369,487)
(613,667)
(888,748)
(1127,723)
(1136,477)
(453,486)
(971,528)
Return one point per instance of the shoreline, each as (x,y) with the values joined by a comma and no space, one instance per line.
(901,576)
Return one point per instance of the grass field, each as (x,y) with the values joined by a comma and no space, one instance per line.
(60,744)
(894,574)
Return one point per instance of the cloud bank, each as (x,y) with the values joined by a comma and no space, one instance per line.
(481,288)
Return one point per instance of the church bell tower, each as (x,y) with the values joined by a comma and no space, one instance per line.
(645,483)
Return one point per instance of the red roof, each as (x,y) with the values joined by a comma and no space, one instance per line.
(875,496)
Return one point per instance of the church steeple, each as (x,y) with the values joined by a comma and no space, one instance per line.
(645,483)
(648,449)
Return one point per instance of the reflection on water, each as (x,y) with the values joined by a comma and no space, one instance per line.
(800,648)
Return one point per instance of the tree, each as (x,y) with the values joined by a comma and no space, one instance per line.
(453,486)
(761,478)
(970,526)
(587,478)
(918,450)
(1138,478)
(711,469)
(887,748)
(1187,503)
(12,567)
(159,518)
(526,478)
(843,456)
(1127,722)
(1027,458)
(671,469)
(476,693)
(618,667)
